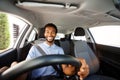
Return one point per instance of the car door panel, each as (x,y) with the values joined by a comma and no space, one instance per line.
(8,57)
(23,52)
(110,60)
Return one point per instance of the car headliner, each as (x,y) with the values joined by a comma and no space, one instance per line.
(89,13)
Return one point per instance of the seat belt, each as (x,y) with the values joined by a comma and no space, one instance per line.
(54,66)
(40,50)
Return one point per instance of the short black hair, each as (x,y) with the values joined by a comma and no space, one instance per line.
(51,25)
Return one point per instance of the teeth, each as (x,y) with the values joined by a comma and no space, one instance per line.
(50,38)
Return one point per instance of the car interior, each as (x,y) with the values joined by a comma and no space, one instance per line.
(73,18)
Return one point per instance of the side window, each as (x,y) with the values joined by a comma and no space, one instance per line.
(59,36)
(32,35)
(107,35)
(10,29)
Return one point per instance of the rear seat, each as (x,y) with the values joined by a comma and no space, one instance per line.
(65,44)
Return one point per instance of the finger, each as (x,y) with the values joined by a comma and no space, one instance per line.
(81,78)
(14,63)
(3,69)
(83,73)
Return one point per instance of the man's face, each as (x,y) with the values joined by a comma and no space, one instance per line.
(50,34)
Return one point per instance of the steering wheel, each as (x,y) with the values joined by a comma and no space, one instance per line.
(38,62)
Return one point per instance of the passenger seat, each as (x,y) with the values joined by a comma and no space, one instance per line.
(82,49)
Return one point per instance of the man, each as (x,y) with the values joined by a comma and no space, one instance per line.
(49,48)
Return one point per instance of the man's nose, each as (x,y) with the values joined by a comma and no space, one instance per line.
(50,34)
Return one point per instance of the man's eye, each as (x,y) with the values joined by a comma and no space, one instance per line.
(53,32)
(47,32)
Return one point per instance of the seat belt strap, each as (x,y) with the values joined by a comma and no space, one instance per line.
(43,53)
(40,50)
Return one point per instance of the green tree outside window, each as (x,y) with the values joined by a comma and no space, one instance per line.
(4,32)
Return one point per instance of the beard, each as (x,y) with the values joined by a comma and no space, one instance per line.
(50,39)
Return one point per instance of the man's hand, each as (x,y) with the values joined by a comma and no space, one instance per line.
(84,69)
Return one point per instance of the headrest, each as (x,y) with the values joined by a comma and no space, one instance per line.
(79,32)
(41,33)
(68,36)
